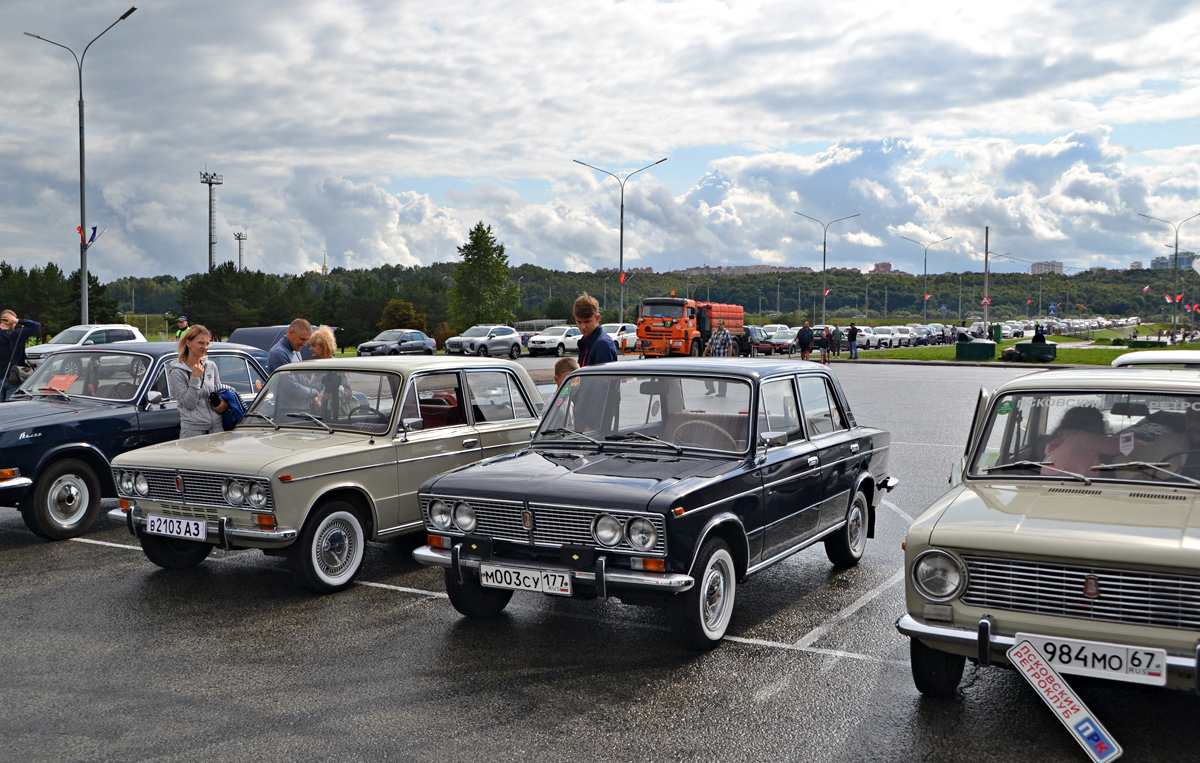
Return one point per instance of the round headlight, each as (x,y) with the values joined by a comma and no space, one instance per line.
(256,495)
(127,483)
(141,484)
(641,534)
(439,514)
(235,492)
(607,530)
(464,517)
(937,575)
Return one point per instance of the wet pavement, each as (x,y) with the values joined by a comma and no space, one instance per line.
(106,657)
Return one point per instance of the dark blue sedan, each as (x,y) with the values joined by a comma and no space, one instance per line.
(664,482)
(82,407)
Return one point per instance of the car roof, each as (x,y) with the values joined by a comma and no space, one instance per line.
(1184,358)
(750,368)
(406,364)
(1185,380)
(156,349)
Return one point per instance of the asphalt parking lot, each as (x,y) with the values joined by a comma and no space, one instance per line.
(106,657)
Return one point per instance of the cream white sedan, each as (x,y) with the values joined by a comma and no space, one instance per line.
(330,456)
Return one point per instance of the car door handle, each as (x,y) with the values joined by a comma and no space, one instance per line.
(813,460)
(471,443)
(854,448)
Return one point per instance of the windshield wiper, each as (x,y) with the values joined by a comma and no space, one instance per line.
(563,432)
(643,436)
(311,417)
(1158,467)
(264,417)
(1040,465)
(21,392)
(55,391)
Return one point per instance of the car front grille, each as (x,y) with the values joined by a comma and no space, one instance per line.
(553,525)
(199,488)
(1131,597)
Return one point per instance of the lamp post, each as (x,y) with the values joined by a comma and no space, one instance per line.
(824,242)
(83,244)
(777,306)
(1174,302)
(925,294)
(606,292)
(520,293)
(621,181)
(760,295)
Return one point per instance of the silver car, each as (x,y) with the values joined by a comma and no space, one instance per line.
(486,339)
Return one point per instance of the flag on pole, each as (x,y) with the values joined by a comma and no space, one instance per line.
(1179,298)
(1029,301)
(1168,298)
(1188,308)
(93,238)
(927,296)
(622,278)
(826,292)
(1146,289)
(80,231)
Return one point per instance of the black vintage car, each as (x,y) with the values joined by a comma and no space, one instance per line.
(399,342)
(78,410)
(663,482)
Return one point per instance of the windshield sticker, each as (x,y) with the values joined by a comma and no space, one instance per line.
(61,382)
(1004,408)
(1064,402)
(1126,445)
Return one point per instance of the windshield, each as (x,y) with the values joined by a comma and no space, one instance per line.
(104,375)
(70,336)
(651,310)
(786,334)
(688,412)
(387,336)
(555,331)
(362,401)
(883,330)
(475,331)
(611,328)
(1129,436)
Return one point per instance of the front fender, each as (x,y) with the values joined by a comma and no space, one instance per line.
(86,452)
(724,518)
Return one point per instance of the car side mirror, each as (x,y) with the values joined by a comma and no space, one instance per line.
(956,471)
(773,439)
(89,342)
(413,425)
(154,397)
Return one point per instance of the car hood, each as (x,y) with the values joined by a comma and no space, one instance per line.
(372,345)
(1098,523)
(42,349)
(252,450)
(26,412)
(617,479)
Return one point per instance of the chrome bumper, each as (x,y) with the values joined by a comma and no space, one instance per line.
(16,483)
(890,483)
(601,576)
(220,533)
(989,645)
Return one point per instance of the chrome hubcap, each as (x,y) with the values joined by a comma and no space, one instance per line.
(68,499)
(855,528)
(335,548)
(714,596)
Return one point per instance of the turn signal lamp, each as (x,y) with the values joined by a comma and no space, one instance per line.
(437,541)
(649,565)
(9,474)
(124,504)
(265,521)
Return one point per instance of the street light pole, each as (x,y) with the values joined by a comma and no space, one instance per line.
(83,243)
(824,242)
(925,294)
(1174,302)
(621,181)
(606,292)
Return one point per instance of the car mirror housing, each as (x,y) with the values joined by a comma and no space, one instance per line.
(413,425)
(154,397)
(773,439)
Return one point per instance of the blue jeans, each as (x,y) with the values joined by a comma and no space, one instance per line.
(853,350)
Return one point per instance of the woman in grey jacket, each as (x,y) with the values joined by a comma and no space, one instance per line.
(192,379)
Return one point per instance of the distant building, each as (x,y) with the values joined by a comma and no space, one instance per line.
(627,270)
(740,270)
(885,269)
(1135,265)
(1168,262)
(1098,269)
(1046,267)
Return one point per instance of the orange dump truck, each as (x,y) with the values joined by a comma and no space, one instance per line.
(679,326)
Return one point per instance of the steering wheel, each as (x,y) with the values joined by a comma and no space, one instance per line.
(702,429)
(366,408)
(125,390)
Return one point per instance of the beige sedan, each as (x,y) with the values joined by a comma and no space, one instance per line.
(329,457)
(1073,525)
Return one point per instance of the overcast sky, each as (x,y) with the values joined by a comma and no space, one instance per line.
(381,131)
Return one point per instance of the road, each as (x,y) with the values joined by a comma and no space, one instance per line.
(106,657)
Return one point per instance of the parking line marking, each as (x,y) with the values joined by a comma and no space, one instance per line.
(929,444)
(900,512)
(105,543)
(814,650)
(401,589)
(820,631)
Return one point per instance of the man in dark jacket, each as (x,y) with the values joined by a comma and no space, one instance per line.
(595,347)
(14,334)
(294,395)
(852,341)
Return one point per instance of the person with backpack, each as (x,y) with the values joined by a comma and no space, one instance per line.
(805,340)
(14,333)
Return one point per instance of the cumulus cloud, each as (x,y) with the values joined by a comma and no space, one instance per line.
(381,132)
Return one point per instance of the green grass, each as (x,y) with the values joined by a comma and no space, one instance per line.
(1065,355)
